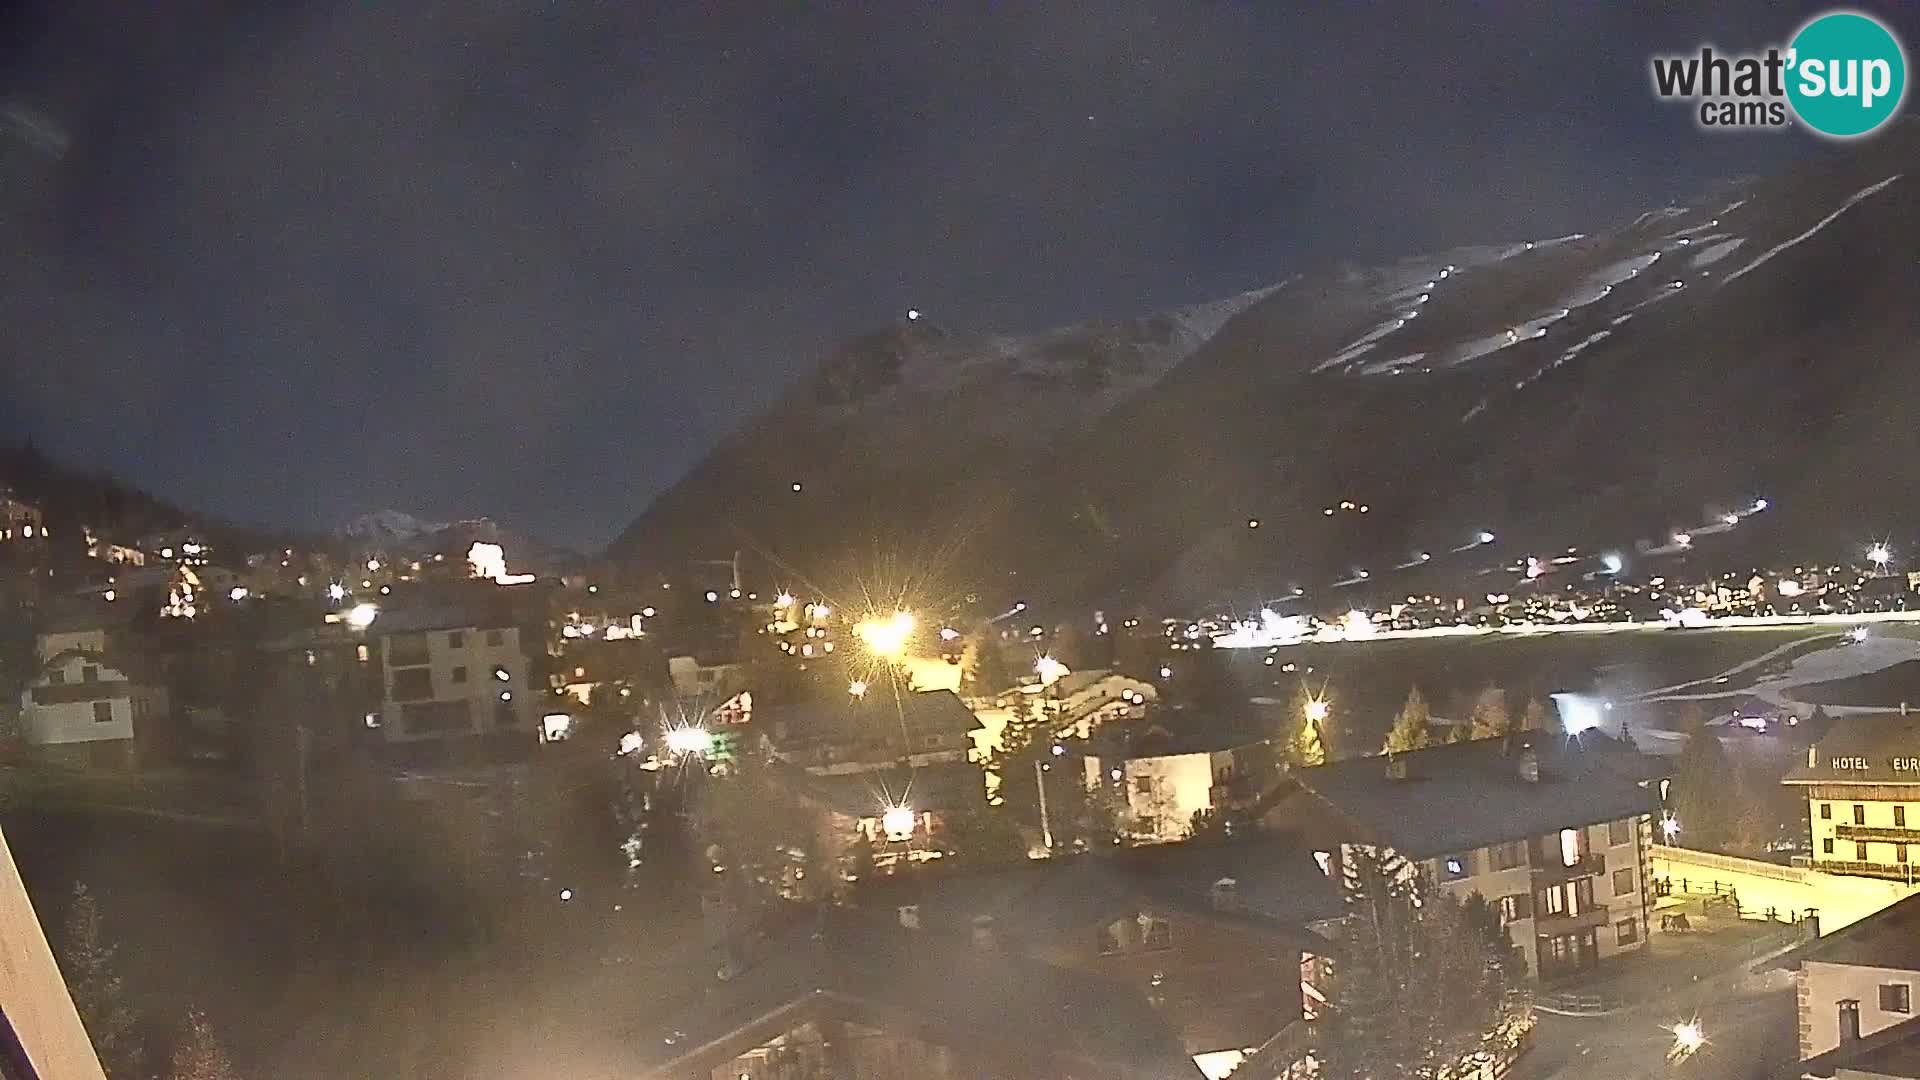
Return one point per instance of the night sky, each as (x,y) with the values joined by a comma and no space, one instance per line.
(531,260)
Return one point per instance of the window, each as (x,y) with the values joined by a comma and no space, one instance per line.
(360,653)
(1572,841)
(90,673)
(1860,852)
(1507,856)
(1849,1020)
(1826,846)
(1899,817)
(1551,901)
(1143,785)
(1859,814)
(1623,881)
(459,675)
(1516,906)
(1826,811)
(495,638)
(704,675)
(406,650)
(1896,998)
(412,684)
(102,712)
(1620,832)
(457,639)
(1455,867)
(1626,932)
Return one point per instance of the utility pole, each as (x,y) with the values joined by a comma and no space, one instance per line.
(1040,784)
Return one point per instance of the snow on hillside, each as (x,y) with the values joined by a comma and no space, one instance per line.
(387,525)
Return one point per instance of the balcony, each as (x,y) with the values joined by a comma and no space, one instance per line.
(1552,869)
(1880,833)
(1555,925)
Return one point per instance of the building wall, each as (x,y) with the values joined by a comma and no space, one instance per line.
(1626,901)
(480,690)
(1889,814)
(692,679)
(1822,986)
(1163,793)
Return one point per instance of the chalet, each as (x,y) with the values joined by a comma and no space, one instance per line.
(876,731)
(1855,989)
(88,708)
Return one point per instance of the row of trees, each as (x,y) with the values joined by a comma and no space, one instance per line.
(1489,716)
(87,962)
(1311,732)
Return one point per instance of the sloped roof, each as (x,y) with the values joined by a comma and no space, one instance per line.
(981,1003)
(1871,742)
(1276,884)
(942,786)
(1891,1051)
(1889,938)
(1469,795)
(928,710)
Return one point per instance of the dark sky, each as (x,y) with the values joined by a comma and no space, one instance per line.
(531,260)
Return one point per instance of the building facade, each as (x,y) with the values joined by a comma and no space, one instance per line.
(20,521)
(1856,988)
(1557,836)
(453,676)
(1862,786)
(83,710)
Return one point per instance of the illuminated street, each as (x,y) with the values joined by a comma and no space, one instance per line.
(1749,1036)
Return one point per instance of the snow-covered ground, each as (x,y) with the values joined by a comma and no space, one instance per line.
(1845,661)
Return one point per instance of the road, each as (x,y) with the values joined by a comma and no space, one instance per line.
(1750,1036)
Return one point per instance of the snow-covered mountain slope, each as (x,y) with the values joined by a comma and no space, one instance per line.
(386,526)
(1589,388)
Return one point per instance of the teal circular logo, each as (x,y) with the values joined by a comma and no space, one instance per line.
(1847,74)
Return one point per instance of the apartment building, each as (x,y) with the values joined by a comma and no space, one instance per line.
(1862,786)
(1555,832)
(454,672)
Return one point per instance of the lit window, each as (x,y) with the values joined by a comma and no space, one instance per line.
(1570,847)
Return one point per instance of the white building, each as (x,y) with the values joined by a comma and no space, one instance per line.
(452,673)
(1080,701)
(1167,779)
(695,678)
(1856,997)
(82,710)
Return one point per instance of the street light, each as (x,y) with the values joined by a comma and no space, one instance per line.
(897,822)
(1687,1038)
(1317,709)
(1879,555)
(1049,670)
(361,616)
(886,637)
(857,688)
(689,740)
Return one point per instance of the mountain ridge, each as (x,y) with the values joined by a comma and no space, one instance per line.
(1578,389)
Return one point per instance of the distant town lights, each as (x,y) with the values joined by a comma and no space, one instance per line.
(1049,670)
(336,592)
(1681,539)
